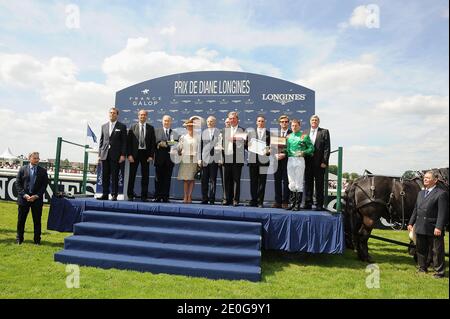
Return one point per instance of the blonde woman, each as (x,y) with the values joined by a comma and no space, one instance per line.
(188,150)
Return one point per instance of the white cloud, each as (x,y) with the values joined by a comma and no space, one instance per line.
(364,16)
(168,30)
(342,76)
(138,62)
(418,105)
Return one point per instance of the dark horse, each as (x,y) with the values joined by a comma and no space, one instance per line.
(370,197)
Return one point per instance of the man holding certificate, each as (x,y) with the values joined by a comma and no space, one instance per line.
(258,161)
(234,143)
(298,145)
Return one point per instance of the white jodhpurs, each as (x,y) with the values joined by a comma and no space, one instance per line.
(296,173)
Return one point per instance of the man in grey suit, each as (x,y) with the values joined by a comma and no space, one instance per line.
(429,217)
(112,151)
(210,158)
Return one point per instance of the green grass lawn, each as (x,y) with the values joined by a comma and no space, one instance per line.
(28,271)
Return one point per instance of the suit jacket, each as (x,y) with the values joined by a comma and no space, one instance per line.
(239,146)
(256,159)
(208,153)
(23,182)
(430,212)
(133,140)
(114,145)
(162,155)
(321,148)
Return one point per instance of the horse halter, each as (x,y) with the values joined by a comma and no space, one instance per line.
(389,204)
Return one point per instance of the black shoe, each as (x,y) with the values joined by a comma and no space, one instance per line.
(156,200)
(235,203)
(166,200)
(37,242)
(308,207)
(318,208)
(131,199)
(144,200)
(103,197)
(211,202)
(204,202)
(114,198)
(292,201)
(421,270)
(298,201)
(19,241)
(438,276)
(252,204)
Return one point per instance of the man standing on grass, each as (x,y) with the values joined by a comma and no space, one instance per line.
(31,183)
(429,217)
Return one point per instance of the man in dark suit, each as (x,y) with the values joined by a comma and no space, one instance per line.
(257,163)
(316,164)
(165,137)
(31,183)
(234,143)
(209,160)
(281,184)
(430,216)
(112,151)
(141,150)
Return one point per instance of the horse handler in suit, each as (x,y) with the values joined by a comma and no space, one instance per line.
(112,151)
(429,217)
(141,150)
(31,182)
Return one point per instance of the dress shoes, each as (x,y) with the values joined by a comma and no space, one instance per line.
(318,209)
(204,202)
(114,198)
(166,200)
(438,276)
(37,242)
(103,197)
(276,205)
(19,241)
(144,200)
(211,202)
(157,200)
(307,207)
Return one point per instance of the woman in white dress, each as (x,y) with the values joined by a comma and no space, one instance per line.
(188,150)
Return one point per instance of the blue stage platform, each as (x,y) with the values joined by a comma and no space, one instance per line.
(303,231)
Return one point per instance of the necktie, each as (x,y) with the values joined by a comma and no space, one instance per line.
(142,138)
(283,134)
(32,178)
(167,135)
(427,192)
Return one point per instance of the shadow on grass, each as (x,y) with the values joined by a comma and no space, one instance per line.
(12,241)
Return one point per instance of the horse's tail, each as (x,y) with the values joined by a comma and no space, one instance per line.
(349,212)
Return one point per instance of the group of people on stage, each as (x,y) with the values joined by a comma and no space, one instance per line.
(296,158)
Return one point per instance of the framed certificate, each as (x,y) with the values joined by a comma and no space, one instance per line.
(257,146)
(277,140)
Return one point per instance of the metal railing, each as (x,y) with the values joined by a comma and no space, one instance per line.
(58,164)
(339,180)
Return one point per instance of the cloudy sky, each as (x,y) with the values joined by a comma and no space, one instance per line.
(380,69)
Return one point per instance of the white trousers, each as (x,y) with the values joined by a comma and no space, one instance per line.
(296,173)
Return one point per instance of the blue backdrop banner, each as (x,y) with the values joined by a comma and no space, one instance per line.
(214,93)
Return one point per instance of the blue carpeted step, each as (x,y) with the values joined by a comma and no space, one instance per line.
(226,226)
(168,235)
(161,250)
(155,265)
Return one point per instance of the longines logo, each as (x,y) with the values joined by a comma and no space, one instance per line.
(283,98)
(145,99)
